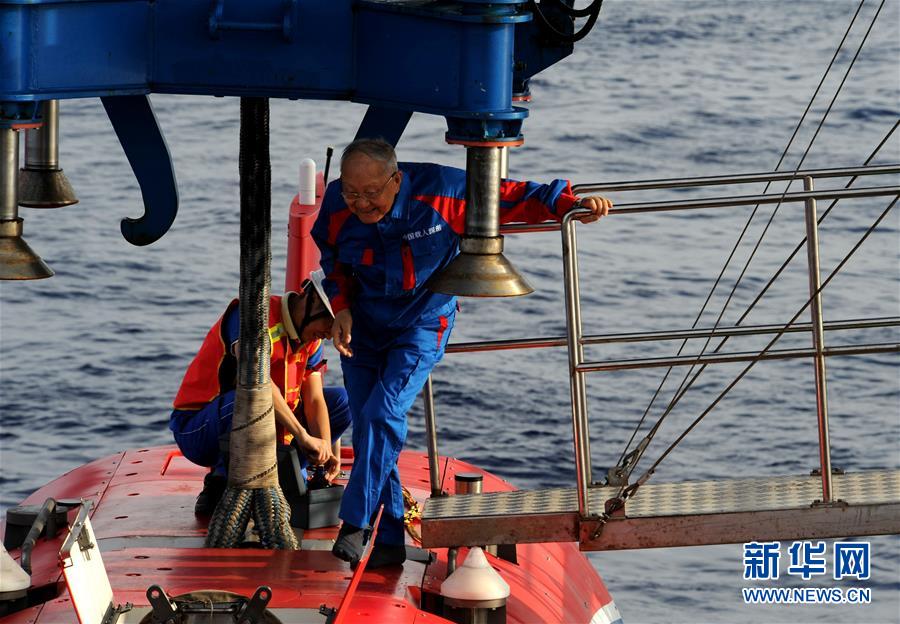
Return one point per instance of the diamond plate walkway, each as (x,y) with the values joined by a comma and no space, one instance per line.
(673,514)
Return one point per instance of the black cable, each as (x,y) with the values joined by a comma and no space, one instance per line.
(570,10)
(561,36)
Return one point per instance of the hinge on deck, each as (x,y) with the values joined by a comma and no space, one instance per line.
(209,604)
(255,611)
(164,611)
(328,612)
(817,472)
(113,612)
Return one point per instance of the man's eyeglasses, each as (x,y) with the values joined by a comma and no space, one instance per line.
(367,195)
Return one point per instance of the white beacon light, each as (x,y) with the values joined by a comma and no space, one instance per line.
(307,188)
(12,577)
(475,580)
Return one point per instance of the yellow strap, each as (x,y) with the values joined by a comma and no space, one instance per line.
(276,333)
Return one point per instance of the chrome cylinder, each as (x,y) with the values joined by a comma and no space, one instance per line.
(481,269)
(482,192)
(18,261)
(818,335)
(42,184)
(42,144)
(9,169)
(504,162)
(475,611)
(469,483)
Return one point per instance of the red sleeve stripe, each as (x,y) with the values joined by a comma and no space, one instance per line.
(451,209)
(440,335)
(335,223)
(512,191)
(409,269)
(532,210)
(341,301)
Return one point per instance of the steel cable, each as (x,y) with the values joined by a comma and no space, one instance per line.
(683,390)
(632,458)
(630,489)
(740,238)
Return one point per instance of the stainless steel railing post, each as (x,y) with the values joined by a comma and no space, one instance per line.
(576,357)
(431,437)
(818,335)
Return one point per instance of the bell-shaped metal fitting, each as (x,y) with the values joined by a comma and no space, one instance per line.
(481,269)
(42,184)
(45,188)
(17,260)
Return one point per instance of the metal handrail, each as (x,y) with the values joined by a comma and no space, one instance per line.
(723,358)
(576,341)
(661,336)
(717,202)
(747,178)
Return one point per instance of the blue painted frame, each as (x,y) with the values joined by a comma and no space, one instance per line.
(454,59)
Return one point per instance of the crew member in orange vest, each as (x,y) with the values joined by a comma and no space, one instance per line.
(308,413)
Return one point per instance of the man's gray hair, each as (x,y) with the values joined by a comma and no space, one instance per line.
(377,149)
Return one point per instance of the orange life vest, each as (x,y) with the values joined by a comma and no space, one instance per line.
(214,369)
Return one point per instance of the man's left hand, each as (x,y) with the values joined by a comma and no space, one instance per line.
(599,207)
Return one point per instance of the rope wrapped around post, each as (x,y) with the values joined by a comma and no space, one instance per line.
(253,490)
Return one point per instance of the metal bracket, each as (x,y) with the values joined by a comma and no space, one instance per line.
(817,472)
(77,533)
(255,611)
(328,612)
(240,609)
(113,613)
(163,610)
(217,22)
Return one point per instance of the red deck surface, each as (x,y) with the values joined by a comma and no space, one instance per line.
(550,583)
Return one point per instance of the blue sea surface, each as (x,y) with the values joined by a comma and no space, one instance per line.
(91,359)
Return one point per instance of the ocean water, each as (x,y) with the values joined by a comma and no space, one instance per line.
(91,359)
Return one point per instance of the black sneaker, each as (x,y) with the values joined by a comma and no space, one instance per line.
(213,488)
(350,543)
(385,555)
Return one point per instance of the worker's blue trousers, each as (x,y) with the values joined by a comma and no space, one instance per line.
(197,433)
(383,378)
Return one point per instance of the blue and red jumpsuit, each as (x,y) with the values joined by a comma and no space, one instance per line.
(400,328)
(204,405)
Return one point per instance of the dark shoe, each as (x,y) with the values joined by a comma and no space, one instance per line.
(213,488)
(384,555)
(350,543)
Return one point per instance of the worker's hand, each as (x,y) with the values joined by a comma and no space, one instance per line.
(332,468)
(599,207)
(340,332)
(317,450)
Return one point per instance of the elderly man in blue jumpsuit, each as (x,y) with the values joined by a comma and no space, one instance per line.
(384,229)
